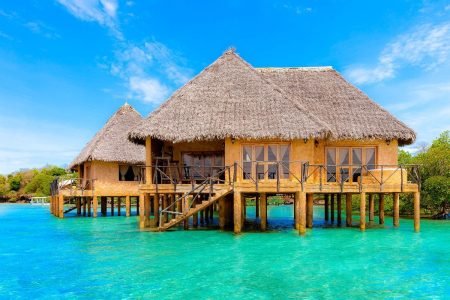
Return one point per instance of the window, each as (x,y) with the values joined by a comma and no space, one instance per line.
(344,163)
(129,173)
(265,161)
(200,165)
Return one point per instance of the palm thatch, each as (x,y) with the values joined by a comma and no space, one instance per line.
(230,98)
(345,109)
(111,143)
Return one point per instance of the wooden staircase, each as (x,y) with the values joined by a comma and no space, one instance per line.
(195,209)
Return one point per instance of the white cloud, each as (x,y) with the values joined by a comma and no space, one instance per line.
(150,90)
(103,12)
(150,70)
(426,46)
(42,29)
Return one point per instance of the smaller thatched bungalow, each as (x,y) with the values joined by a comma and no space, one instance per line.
(109,168)
(235,131)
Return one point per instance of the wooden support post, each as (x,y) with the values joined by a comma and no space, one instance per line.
(61,206)
(327,196)
(257,206)
(309,210)
(156,208)
(237,200)
(138,205)
(94,206)
(89,200)
(348,209)
(302,217)
(381,208)
(142,211)
(417,211)
(371,208)
(195,216)
(211,213)
(112,205)
(84,199)
(221,213)
(78,203)
(263,207)
(127,205)
(339,209)
(362,212)
(297,210)
(147,203)
(202,217)
(119,205)
(396,208)
(332,208)
(185,210)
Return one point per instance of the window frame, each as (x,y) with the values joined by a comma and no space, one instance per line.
(284,173)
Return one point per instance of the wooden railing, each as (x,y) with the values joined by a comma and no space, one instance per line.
(71,184)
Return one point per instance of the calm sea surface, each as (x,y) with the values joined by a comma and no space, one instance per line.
(44,257)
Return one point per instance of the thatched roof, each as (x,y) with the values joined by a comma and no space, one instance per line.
(230,98)
(111,143)
(349,112)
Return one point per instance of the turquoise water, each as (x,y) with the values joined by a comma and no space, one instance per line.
(44,257)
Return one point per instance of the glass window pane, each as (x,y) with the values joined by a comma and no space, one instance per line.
(331,165)
(284,158)
(356,160)
(259,155)
(247,153)
(246,162)
(272,157)
(344,156)
(370,158)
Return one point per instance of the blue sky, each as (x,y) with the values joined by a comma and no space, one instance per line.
(67,65)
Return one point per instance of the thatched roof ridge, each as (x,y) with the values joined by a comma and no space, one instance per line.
(349,112)
(111,143)
(230,98)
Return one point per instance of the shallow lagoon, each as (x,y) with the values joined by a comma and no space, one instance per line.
(44,257)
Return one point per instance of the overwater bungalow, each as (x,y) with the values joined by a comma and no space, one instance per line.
(236,131)
(108,168)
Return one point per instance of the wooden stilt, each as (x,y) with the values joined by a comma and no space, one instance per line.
(221,213)
(84,199)
(138,205)
(257,206)
(339,209)
(89,202)
(327,196)
(297,210)
(237,212)
(112,205)
(147,207)
(348,209)
(332,208)
(195,216)
(78,203)
(302,204)
(165,204)
(127,205)
(185,210)
(396,208)
(309,210)
(156,209)
(371,208)
(142,214)
(362,212)
(95,206)
(119,205)
(263,210)
(417,211)
(211,213)
(202,217)
(381,208)
(61,206)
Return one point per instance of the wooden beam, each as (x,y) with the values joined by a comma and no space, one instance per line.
(417,211)
(263,207)
(142,210)
(327,196)
(396,208)
(362,212)
(297,210)
(221,213)
(302,204)
(127,205)
(381,208)
(237,204)
(257,205)
(61,206)
(309,210)
(119,205)
(89,201)
(332,208)
(112,205)
(348,209)
(94,206)
(339,209)
(148,160)
(371,207)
